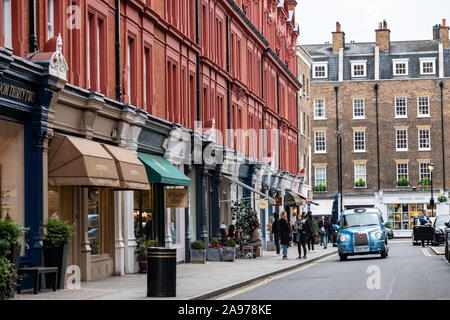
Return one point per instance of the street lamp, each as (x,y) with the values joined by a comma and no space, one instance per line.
(339,158)
(431,167)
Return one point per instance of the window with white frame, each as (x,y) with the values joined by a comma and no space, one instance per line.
(359,141)
(401,137)
(400,67)
(319,109)
(320,142)
(424,172)
(360,175)
(358,109)
(401,107)
(423,106)
(402,171)
(320,175)
(358,68)
(50,19)
(424,139)
(427,66)
(320,70)
(7,23)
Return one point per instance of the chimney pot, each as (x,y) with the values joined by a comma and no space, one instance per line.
(338,27)
(384,24)
(380,25)
(444,22)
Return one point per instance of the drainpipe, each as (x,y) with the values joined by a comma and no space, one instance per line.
(117,46)
(278,111)
(441,85)
(197,40)
(338,148)
(32,27)
(378,136)
(227,24)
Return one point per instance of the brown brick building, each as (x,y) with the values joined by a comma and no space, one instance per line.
(389,107)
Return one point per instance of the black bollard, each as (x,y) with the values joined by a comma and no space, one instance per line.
(161,272)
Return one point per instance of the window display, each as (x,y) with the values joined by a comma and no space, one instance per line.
(99,220)
(401,216)
(143,211)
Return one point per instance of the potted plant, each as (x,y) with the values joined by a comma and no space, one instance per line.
(403,182)
(214,251)
(320,188)
(229,250)
(442,198)
(360,183)
(141,252)
(424,183)
(198,252)
(245,217)
(56,246)
(11,235)
(7,279)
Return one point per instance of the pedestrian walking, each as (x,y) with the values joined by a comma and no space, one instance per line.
(328,230)
(300,235)
(285,233)
(322,230)
(310,232)
(276,232)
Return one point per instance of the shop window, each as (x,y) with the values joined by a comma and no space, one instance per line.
(100,221)
(145,214)
(12,181)
(401,216)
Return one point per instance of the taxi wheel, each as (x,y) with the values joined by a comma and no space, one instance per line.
(343,257)
(384,254)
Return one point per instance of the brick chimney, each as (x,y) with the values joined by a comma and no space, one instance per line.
(338,38)
(440,32)
(383,36)
(291,4)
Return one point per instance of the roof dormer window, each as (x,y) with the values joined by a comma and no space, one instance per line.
(359,69)
(427,66)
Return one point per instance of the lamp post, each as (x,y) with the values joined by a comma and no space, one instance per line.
(431,167)
(339,143)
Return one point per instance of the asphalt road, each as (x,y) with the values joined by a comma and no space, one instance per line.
(409,272)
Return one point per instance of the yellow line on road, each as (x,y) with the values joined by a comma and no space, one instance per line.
(274,278)
(425,252)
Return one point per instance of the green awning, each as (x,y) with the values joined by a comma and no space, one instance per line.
(159,170)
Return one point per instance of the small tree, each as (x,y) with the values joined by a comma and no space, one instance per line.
(245,217)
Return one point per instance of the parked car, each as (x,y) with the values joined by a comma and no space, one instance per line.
(439,229)
(422,232)
(362,231)
(389,233)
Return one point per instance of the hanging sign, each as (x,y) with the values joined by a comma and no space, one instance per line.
(176,198)
(263,204)
(278,201)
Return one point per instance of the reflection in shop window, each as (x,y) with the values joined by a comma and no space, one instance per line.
(99,220)
(143,203)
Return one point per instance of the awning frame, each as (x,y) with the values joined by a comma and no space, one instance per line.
(243,185)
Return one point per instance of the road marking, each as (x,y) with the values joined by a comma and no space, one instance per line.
(275,278)
(425,252)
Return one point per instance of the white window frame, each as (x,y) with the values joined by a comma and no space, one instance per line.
(426,60)
(363,108)
(324,178)
(358,176)
(325,141)
(397,140)
(424,173)
(425,115)
(419,140)
(399,61)
(406,107)
(7,23)
(324,109)
(359,63)
(320,64)
(399,176)
(50,19)
(354,140)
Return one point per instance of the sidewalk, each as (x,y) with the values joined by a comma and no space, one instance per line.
(194,281)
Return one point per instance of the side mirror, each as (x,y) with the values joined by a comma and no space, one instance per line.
(385,224)
(335,227)
(447,224)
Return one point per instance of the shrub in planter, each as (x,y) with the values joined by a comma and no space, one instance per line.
(320,188)
(442,198)
(56,247)
(198,252)
(403,182)
(7,276)
(214,251)
(141,252)
(229,251)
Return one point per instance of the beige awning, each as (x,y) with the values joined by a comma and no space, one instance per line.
(76,161)
(132,174)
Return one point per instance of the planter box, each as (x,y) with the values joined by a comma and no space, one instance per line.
(214,254)
(142,265)
(198,256)
(270,246)
(228,254)
(56,257)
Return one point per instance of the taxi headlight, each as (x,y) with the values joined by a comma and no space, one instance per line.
(343,237)
(378,235)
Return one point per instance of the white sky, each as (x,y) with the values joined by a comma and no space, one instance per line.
(407,19)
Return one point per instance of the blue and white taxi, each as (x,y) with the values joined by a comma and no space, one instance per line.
(362,231)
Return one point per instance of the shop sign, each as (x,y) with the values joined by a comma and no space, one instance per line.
(16,92)
(278,201)
(263,204)
(176,198)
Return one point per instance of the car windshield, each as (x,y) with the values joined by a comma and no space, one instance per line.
(440,221)
(360,220)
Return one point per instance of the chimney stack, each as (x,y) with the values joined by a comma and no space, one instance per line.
(440,32)
(338,38)
(291,4)
(383,36)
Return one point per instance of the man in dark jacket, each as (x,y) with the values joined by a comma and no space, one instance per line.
(285,233)
(276,232)
(310,232)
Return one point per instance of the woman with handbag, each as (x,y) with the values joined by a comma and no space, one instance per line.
(285,233)
(300,235)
